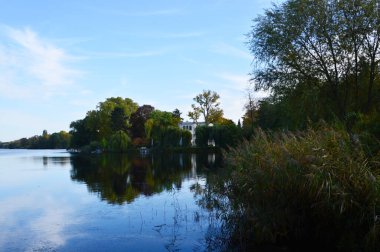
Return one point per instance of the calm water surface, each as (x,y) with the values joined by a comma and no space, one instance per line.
(53,201)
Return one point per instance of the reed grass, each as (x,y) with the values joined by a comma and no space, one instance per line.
(315,186)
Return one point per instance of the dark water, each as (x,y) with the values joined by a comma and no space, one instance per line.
(52,201)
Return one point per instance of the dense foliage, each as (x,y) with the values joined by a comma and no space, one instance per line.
(119,124)
(162,128)
(320,60)
(99,125)
(119,142)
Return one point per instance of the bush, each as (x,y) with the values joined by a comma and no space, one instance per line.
(314,186)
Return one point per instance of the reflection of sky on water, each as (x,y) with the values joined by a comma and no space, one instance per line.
(43,209)
(34,223)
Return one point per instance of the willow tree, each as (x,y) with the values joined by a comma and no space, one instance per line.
(328,46)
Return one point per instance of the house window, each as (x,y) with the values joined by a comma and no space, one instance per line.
(189,127)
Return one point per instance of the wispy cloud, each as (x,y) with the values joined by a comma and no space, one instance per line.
(229,50)
(139,54)
(32,66)
(238,81)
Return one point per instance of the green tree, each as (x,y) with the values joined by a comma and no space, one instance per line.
(322,49)
(80,135)
(207,105)
(156,127)
(104,114)
(99,125)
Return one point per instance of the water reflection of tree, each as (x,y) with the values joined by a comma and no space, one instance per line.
(121,178)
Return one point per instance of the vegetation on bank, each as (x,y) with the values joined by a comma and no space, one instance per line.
(60,140)
(316,187)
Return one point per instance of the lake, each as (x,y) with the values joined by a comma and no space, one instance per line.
(51,200)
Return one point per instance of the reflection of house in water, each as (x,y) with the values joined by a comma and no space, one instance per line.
(193,165)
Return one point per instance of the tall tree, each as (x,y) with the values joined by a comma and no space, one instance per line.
(328,46)
(104,110)
(99,125)
(207,105)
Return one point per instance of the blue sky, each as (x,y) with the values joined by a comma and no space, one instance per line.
(58,59)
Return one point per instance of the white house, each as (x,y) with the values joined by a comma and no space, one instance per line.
(190,126)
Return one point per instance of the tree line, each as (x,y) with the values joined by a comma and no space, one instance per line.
(58,140)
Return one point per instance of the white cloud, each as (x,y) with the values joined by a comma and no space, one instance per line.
(229,50)
(232,104)
(30,66)
(234,94)
(238,81)
(241,82)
